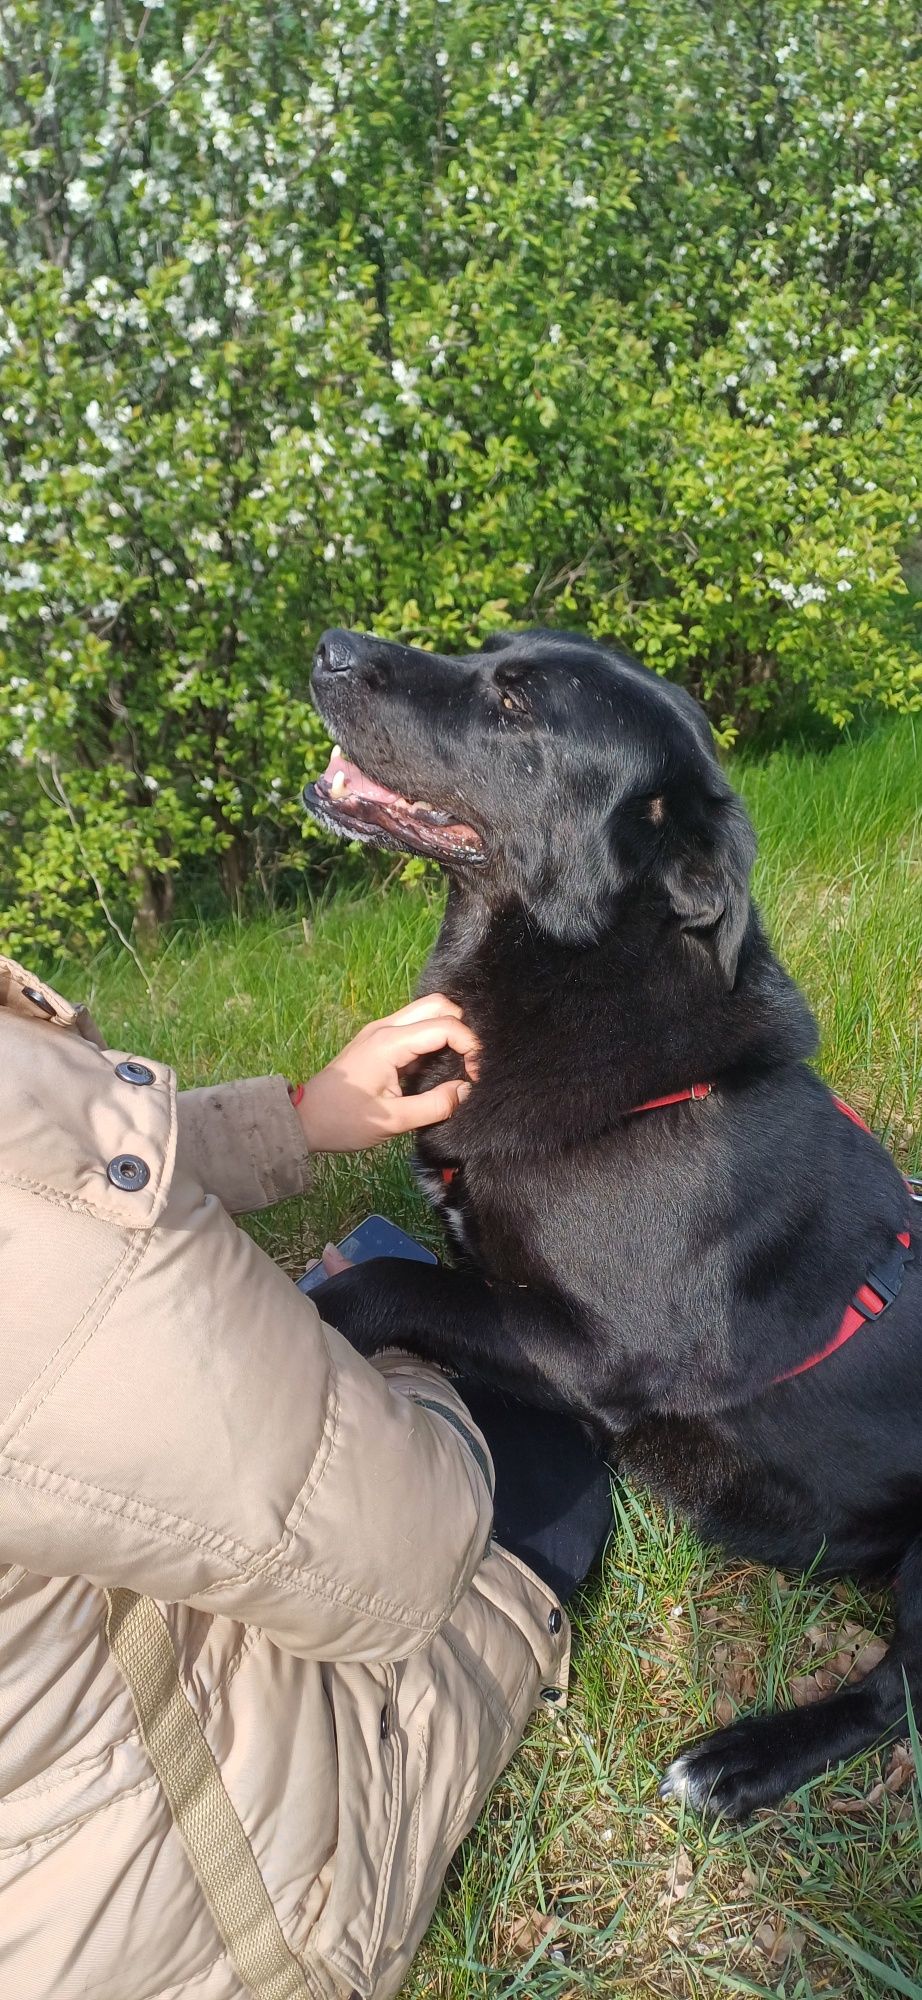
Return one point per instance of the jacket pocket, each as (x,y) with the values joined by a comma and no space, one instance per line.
(370,1757)
(419,1745)
(405,1801)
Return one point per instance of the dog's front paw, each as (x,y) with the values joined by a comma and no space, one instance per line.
(348,1301)
(733,1772)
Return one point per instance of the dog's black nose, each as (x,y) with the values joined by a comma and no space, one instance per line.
(337,652)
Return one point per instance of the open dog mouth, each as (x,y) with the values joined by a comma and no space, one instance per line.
(357,806)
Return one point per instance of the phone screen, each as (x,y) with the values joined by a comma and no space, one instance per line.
(375,1237)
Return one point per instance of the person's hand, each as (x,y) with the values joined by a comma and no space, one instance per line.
(332,1260)
(357,1101)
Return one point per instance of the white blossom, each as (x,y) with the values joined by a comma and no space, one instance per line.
(79,197)
(798,594)
(406,379)
(27,577)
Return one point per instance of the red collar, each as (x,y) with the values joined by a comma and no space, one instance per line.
(695,1090)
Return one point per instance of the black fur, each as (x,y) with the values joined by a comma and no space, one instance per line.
(654,1273)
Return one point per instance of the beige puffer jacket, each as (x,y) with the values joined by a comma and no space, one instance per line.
(258,1664)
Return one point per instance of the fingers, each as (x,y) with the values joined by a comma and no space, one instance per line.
(333,1260)
(432,1107)
(422,1038)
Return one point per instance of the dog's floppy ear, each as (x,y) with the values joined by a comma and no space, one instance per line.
(704,868)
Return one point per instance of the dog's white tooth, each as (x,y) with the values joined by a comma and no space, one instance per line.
(336,751)
(338,785)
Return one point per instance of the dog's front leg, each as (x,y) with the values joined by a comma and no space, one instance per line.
(759,1759)
(523,1341)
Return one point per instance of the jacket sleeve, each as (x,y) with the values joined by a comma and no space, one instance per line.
(193,1431)
(244,1142)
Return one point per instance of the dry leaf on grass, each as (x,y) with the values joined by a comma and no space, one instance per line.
(804,1690)
(902,1767)
(870,1656)
(532,1929)
(778,1939)
(680,1877)
(897,1778)
(852,1650)
(735,1674)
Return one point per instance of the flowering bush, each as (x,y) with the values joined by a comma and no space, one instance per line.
(430,317)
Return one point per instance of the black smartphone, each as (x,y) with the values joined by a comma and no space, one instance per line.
(375,1237)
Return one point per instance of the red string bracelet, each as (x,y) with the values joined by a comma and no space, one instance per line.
(296,1092)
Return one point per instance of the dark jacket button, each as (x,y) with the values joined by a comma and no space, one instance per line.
(128,1172)
(554,1621)
(134,1072)
(38,1000)
(385,1724)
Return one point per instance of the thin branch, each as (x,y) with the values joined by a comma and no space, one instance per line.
(94,878)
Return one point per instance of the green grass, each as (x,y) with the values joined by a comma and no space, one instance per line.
(577,1881)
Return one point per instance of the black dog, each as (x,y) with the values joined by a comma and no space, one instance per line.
(663,1270)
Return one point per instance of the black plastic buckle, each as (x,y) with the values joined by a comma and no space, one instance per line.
(886,1279)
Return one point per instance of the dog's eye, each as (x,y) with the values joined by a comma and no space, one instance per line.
(513,701)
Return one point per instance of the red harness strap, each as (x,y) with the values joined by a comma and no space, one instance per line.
(872,1298)
(866,1305)
(868,1302)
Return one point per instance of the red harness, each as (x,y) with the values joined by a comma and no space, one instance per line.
(883,1282)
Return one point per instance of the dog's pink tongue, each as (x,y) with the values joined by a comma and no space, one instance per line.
(356,781)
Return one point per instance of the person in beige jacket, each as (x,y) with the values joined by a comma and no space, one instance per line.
(260,1660)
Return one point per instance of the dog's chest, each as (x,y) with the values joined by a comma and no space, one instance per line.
(478,1214)
(444,1187)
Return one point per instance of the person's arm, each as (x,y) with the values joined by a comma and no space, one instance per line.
(250,1143)
(185,1425)
(198,1435)
(244,1141)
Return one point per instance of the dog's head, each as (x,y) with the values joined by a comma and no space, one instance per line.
(555,772)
